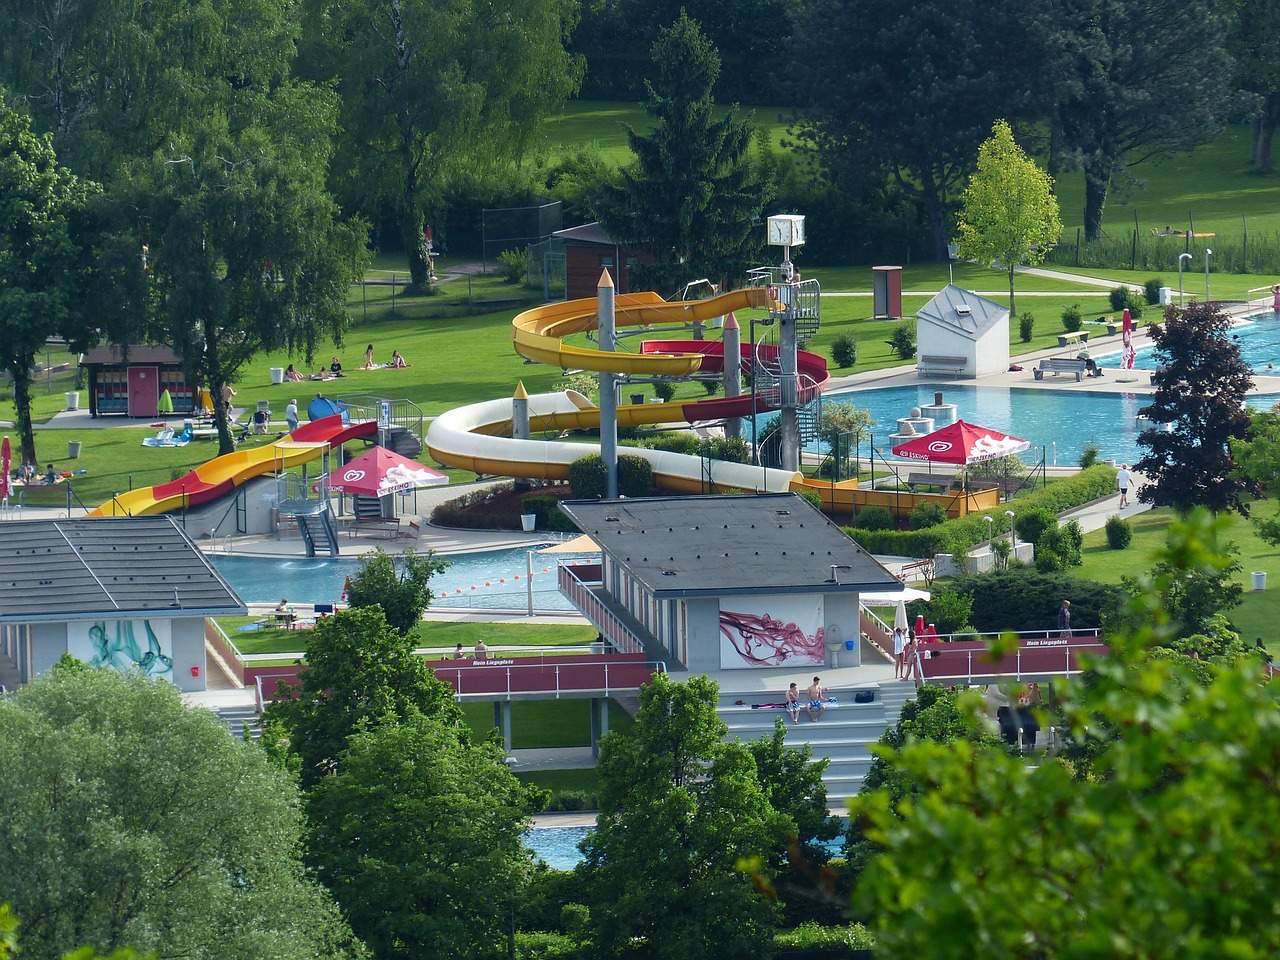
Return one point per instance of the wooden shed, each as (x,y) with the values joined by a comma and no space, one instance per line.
(588,250)
(132,388)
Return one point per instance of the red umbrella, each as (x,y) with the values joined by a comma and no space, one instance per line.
(961,443)
(380,472)
(6,460)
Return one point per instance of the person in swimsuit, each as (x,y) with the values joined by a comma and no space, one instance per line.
(368,358)
(899,655)
(793,702)
(814,694)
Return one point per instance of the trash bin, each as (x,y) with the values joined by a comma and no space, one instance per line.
(637,398)
(277,375)
(1166,296)
(73,400)
(528,521)
(73,451)
(1259,579)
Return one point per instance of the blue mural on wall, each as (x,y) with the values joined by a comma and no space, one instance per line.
(115,644)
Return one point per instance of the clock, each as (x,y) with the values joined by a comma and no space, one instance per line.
(786,230)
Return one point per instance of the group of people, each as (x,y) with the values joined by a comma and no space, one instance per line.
(815,697)
(906,660)
(481,651)
(397,361)
(29,474)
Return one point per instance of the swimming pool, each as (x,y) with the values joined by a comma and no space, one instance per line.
(558,846)
(1257,336)
(493,579)
(1057,422)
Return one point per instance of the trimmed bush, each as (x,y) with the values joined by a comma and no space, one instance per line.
(844,351)
(635,475)
(547,510)
(664,390)
(873,518)
(710,386)
(1119,532)
(1032,524)
(1022,598)
(572,800)
(926,514)
(1071,319)
(948,610)
(1089,454)
(1026,326)
(813,497)
(904,340)
(589,478)
(1119,297)
(1151,290)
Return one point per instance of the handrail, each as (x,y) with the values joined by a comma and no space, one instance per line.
(583,597)
(1026,662)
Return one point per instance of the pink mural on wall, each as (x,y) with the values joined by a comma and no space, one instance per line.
(772,632)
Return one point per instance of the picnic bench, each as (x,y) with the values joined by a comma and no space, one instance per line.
(388,527)
(1074,336)
(1057,365)
(941,480)
(928,366)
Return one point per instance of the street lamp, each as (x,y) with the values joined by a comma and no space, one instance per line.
(1207,254)
(1182,258)
(990,521)
(1013,534)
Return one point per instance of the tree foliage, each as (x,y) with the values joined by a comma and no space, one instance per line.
(359,671)
(45,260)
(419,836)
(1201,385)
(842,427)
(690,198)
(1257,459)
(128,819)
(1008,212)
(679,808)
(400,585)
(1253,32)
(1158,848)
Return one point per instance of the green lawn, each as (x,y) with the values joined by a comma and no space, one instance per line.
(545,724)
(432,634)
(561,781)
(1256,615)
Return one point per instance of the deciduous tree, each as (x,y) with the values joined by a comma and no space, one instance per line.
(420,838)
(400,585)
(1197,409)
(679,809)
(1253,34)
(690,198)
(1008,212)
(128,819)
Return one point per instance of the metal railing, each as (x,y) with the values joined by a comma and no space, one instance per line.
(597,675)
(1060,658)
(583,597)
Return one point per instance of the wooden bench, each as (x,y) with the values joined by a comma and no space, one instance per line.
(931,366)
(387,526)
(942,480)
(1075,336)
(1057,365)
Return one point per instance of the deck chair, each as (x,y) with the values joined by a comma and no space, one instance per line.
(163,438)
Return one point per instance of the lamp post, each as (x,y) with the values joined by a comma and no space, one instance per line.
(1013,534)
(1207,254)
(990,521)
(1182,258)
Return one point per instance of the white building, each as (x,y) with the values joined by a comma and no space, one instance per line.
(961,334)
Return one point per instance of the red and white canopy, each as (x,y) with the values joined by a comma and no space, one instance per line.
(961,443)
(380,472)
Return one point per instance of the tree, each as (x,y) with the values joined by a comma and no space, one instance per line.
(419,836)
(431,91)
(43,262)
(844,423)
(399,585)
(1254,34)
(1144,80)
(1008,212)
(1201,386)
(129,819)
(679,808)
(1257,459)
(690,198)
(359,671)
(792,780)
(926,84)
(1152,851)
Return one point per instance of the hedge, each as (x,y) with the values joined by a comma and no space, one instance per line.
(964,532)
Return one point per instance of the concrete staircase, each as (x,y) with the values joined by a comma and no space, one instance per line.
(240,718)
(844,735)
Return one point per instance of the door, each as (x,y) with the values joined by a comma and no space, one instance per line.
(144,391)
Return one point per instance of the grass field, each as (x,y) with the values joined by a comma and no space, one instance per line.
(439,638)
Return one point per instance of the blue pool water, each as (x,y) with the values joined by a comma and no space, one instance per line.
(486,580)
(1258,338)
(558,846)
(1057,422)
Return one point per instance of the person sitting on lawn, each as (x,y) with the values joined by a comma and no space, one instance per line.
(292,375)
(397,361)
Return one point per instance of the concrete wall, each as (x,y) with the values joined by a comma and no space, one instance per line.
(49,643)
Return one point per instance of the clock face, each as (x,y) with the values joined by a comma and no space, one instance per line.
(786,231)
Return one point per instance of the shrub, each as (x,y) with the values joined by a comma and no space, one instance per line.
(635,475)
(838,941)
(1119,532)
(948,610)
(1089,454)
(1048,561)
(710,386)
(904,340)
(813,497)
(572,800)
(1026,326)
(844,351)
(1060,542)
(1071,319)
(873,518)
(926,513)
(730,449)
(1021,598)
(513,265)
(664,390)
(589,478)
(1151,290)
(547,510)
(1119,297)
(1033,523)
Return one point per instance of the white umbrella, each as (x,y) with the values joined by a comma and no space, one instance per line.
(900,616)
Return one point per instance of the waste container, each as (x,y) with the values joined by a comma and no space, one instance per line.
(1259,579)
(277,374)
(73,400)
(637,398)
(73,451)
(528,521)
(1166,296)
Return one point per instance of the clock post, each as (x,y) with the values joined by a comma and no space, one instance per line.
(787,231)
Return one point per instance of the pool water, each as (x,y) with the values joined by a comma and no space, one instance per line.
(487,580)
(1057,422)
(558,846)
(1258,338)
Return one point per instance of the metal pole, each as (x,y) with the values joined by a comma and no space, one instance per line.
(605,320)
(755,443)
(529,579)
(1207,253)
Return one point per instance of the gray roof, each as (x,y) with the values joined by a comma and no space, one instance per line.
(110,355)
(592,233)
(112,567)
(730,545)
(963,311)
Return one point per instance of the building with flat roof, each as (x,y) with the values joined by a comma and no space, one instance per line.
(125,593)
(725,583)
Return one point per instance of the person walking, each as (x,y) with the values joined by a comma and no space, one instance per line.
(1123,479)
(291,416)
(1064,618)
